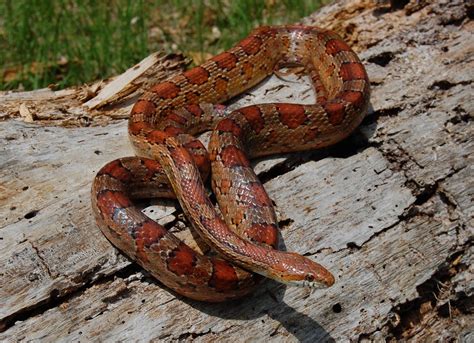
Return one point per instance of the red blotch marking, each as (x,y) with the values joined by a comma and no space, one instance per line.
(148,233)
(352,71)
(335,45)
(228,125)
(166,90)
(336,112)
(109,201)
(197,76)
(254,117)
(177,118)
(117,171)
(223,276)
(173,130)
(136,127)
(157,136)
(182,260)
(251,45)
(232,156)
(195,110)
(144,106)
(247,68)
(263,233)
(202,162)
(226,60)
(153,167)
(260,195)
(291,115)
(221,86)
(355,98)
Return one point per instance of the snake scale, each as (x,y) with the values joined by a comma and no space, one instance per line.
(172,163)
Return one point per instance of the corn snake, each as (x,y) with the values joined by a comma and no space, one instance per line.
(162,126)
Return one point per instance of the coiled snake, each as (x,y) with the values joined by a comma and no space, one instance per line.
(162,126)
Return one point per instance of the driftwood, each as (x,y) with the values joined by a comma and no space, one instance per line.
(389,210)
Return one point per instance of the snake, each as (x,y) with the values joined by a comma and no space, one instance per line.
(242,231)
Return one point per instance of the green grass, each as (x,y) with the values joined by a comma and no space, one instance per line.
(69,42)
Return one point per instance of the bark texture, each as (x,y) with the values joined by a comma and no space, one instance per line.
(389,210)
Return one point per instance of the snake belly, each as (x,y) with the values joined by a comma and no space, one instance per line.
(172,163)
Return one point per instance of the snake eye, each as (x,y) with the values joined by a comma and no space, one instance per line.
(309,278)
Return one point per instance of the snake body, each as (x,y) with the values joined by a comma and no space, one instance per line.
(173,162)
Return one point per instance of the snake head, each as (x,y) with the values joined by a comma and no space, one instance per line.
(297,270)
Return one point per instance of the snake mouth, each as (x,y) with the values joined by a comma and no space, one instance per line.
(323,281)
(314,285)
(320,284)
